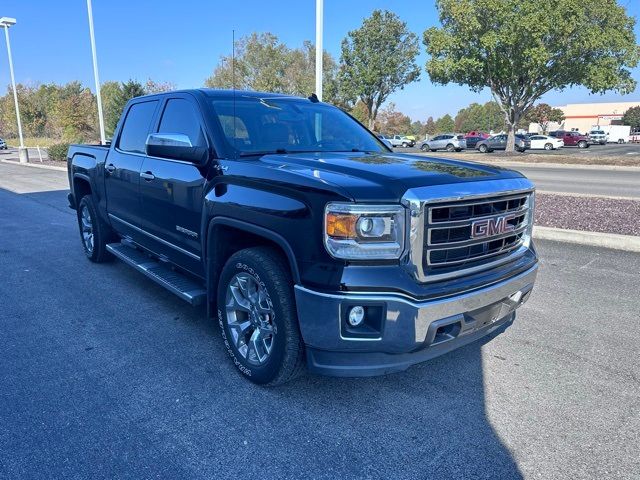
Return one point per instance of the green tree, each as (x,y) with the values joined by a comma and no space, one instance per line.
(632,117)
(445,124)
(263,63)
(543,114)
(377,59)
(76,113)
(486,118)
(115,96)
(521,49)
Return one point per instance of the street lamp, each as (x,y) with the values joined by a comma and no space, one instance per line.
(103,139)
(7,22)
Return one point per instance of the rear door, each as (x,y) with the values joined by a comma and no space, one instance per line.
(122,167)
(171,191)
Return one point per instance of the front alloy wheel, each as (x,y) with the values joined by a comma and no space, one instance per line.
(250,318)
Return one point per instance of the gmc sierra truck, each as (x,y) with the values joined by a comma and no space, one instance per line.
(308,240)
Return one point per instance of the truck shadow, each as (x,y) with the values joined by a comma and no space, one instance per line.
(434,414)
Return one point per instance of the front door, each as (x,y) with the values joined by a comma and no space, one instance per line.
(122,168)
(171,191)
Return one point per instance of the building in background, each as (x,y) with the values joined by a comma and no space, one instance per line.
(583,116)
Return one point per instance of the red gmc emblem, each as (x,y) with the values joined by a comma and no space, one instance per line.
(490,227)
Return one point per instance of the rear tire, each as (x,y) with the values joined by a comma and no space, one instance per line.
(257,316)
(582,144)
(94,232)
(450,148)
(424,148)
(405,144)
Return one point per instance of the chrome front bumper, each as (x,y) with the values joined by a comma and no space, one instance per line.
(408,331)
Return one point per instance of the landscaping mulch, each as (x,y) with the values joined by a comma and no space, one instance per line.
(591,214)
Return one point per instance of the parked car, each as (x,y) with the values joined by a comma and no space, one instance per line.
(449,142)
(400,141)
(267,210)
(571,139)
(477,133)
(545,142)
(499,142)
(384,140)
(473,141)
(598,136)
(3,144)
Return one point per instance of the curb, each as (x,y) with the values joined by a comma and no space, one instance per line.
(615,241)
(586,195)
(34,165)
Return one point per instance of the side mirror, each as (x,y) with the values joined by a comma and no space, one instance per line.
(175,146)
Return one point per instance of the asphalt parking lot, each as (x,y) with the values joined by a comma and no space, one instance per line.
(106,375)
(608,150)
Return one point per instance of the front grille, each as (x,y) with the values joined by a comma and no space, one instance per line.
(467,233)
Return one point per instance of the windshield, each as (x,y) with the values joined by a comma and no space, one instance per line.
(255,126)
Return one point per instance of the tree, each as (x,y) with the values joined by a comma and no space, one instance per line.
(445,124)
(543,114)
(265,64)
(393,122)
(115,96)
(158,87)
(377,59)
(632,117)
(360,112)
(521,49)
(486,118)
(430,127)
(76,113)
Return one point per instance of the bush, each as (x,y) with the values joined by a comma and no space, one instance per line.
(58,152)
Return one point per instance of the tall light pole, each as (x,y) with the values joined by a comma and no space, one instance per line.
(7,22)
(103,139)
(319,14)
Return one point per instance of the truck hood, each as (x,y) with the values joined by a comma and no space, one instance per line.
(383,177)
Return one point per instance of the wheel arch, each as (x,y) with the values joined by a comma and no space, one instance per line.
(226,235)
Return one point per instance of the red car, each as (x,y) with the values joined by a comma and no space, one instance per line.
(477,133)
(572,139)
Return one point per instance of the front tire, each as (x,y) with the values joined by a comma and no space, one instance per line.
(94,232)
(424,148)
(582,144)
(450,148)
(483,149)
(405,144)
(257,316)
(548,146)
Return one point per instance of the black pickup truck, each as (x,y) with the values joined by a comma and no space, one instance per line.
(304,235)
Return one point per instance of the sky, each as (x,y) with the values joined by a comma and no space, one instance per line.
(181,42)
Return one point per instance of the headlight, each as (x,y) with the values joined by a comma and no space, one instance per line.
(364,232)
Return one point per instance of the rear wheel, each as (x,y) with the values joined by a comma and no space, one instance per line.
(424,148)
(450,148)
(405,144)
(548,146)
(483,148)
(94,232)
(257,316)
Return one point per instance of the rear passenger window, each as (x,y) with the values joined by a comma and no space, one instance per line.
(136,127)
(181,116)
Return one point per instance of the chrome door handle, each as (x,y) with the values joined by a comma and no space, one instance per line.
(110,168)
(147,176)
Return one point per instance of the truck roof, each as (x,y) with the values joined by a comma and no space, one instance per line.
(223,93)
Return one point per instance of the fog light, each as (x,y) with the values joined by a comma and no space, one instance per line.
(356,316)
